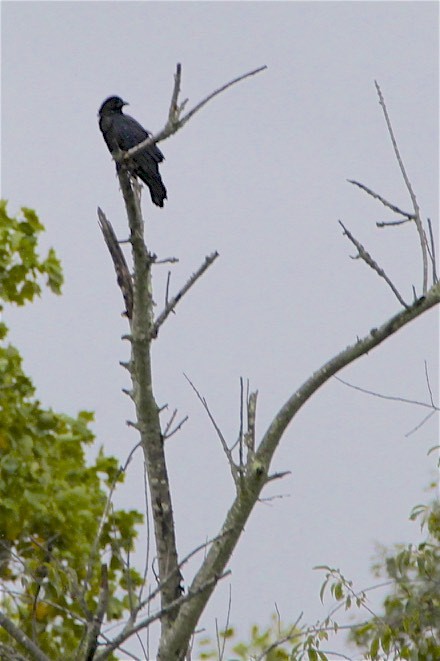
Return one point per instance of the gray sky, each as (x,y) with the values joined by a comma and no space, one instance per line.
(260,175)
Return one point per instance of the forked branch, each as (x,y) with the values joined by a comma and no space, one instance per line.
(175,122)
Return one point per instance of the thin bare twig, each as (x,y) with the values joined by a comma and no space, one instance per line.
(167,289)
(181,293)
(292,634)
(428,384)
(145,623)
(225,447)
(251,415)
(174,122)
(104,517)
(363,254)
(420,424)
(432,252)
(392,223)
(417,218)
(393,398)
(177,428)
(221,648)
(173,113)
(393,207)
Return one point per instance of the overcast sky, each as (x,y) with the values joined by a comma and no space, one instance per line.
(260,175)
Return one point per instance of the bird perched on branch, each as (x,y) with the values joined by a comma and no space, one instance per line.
(122,132)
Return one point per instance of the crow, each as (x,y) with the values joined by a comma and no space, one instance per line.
(123,132)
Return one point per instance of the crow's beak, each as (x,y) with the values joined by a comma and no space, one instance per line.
(125,103)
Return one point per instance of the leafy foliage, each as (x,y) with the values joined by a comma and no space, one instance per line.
(273,643)
(20,264)
(51,502)
(410,625)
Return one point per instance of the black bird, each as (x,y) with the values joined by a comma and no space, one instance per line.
(123,132)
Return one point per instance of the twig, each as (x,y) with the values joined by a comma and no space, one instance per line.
(104,516)
(122,272)
(177,428)
(417,219)
(174,605)
(363,254)
(392,223)
(167,289)
(249,438)
(393,207)
(278,476)
(225,447)
(173,113)
(292,634)
(432,252)
(420,424)
(147,550)
(174,122)
(174,301)
(168,432)
(218,91)
(428,384)
(221,648)
(393,398)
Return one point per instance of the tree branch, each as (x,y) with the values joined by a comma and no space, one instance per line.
(369,191)
(147,411)
(174,122)
(363,254)
(21,638)
(171,304)
(417,219)
(94,628)
(177,637)
(122,272)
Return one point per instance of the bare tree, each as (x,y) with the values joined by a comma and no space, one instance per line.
(249,458)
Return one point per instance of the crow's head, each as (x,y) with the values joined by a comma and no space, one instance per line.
(111,105)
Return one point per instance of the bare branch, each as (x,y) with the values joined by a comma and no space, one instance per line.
(181,293)
(429,385)
(417,218)
(392,223)
(420,424)
(173,114)
(104,517)
(221,648)
(432,252)
(174,122)
(227,451)
(21,638)
(175,429)
(363,254)
(278,476)
(122,272)
(393,207)
(146,622)
(392,398)
(218,91)
(249,438)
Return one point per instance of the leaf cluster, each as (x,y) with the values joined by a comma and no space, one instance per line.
(51,501)
(409,627)
(20,264)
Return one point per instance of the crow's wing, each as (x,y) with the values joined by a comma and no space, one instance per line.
(128,133)
(124,132)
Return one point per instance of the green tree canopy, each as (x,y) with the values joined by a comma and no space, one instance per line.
(53,537)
